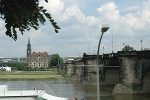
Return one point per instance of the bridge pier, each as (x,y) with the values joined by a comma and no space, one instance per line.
(108,71)
(132,68)
(89,62)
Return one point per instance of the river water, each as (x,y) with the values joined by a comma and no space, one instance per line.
(74,88)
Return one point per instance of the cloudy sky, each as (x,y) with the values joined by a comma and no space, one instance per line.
(81,22)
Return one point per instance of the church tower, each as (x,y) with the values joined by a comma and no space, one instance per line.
(28,48)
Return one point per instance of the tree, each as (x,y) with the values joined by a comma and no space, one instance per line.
(55,60)
(127,48)
(24,15)
(16,65)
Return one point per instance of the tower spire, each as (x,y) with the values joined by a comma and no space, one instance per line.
(28,47)
(28,40)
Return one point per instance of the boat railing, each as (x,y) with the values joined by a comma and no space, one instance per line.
(41,93)
(45,88)
(38,89)
(20,93)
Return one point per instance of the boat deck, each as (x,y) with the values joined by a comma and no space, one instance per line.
(26,94)
(32,93)
(18,93)
(18,98)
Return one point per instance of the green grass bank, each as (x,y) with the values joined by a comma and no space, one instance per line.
(29,75)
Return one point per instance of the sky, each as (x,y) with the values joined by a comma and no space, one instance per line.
(81,22)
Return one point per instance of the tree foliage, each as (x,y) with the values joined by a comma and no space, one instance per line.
(24,15)
(128,48)
(55,60)
(16,65)
(19,66)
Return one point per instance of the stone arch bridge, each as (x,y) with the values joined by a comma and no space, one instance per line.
(129,71)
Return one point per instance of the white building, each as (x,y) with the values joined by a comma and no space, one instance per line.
(13,59)
(8,69)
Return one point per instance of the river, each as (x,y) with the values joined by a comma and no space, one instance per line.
(73,88)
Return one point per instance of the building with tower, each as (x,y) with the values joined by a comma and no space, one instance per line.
(28,48)
(37,59)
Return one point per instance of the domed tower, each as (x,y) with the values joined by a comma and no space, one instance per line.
(28,48)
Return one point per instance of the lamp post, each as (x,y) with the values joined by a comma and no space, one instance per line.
(103,29)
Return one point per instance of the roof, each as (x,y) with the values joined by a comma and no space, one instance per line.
(39,54)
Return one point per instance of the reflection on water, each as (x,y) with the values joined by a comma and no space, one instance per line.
(72,88)
(131,97)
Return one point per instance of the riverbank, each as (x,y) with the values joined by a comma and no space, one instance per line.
(29,75)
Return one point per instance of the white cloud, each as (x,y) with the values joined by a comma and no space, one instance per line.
(129,9)
(109,11)
(2,32)
(73,10)
(135,23)
(55,7)
(131,22)
(91,20)
(1,23)
(141,19)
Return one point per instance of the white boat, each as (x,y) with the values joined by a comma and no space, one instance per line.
(35,94)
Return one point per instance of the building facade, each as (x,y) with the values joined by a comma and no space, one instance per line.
(38,60)
(13,59)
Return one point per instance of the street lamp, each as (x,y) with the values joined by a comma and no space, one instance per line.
(104,28)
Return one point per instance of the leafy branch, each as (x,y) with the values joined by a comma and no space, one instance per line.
(24,15)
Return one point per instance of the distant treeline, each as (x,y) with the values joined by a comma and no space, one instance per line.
(20,66)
